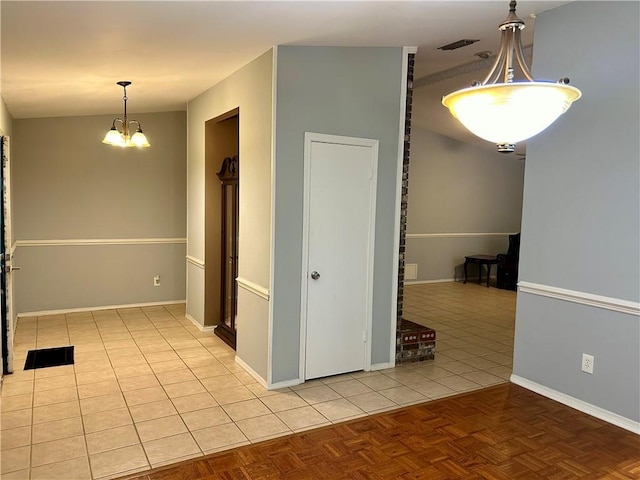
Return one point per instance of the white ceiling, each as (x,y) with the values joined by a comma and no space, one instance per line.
(63,58)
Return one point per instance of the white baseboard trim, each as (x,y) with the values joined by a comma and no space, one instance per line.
(251,372)
(447,280)
(583,298)
(89,309)
(583,406)
(382,366)
(197,324)
(285,384)
(421,282)
(457,235)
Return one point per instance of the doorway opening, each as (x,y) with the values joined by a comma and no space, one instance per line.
(222,147)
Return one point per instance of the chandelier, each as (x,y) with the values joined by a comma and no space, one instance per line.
(503,110)
(120,132)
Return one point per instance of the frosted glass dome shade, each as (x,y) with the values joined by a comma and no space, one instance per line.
(508,113)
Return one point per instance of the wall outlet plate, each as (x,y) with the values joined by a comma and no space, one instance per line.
(156,281)
(587,363)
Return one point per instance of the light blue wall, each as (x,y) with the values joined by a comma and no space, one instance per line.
(581,212)
(341,91)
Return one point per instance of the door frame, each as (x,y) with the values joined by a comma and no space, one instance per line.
(309,138)
(7,320)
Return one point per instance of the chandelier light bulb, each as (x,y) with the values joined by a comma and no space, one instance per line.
(112,137)
(139,139)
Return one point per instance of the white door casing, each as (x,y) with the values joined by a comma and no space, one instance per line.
(338,243)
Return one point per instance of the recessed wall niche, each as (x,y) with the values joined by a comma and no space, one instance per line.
(221,219)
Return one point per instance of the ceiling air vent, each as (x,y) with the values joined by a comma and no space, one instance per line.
(459,44)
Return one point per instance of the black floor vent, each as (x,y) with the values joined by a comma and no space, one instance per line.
(49,357)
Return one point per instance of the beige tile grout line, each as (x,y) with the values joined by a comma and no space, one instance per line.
(33,401)
(75,379)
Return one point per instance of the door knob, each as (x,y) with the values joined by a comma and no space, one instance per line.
(315,275)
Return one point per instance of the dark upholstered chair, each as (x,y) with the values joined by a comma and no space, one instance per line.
(508,264)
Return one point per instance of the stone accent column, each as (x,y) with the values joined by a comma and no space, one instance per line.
(404,199)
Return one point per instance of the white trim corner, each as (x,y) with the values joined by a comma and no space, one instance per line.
(198,325)
(255,288)
(272,209)
(251,372)
(195,261)
(285,384)
(384,365)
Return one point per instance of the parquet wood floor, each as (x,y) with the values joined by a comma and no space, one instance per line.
(499,433)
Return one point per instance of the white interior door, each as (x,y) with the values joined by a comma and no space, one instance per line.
(338,261)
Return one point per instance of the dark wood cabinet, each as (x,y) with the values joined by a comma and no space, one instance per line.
(228,175)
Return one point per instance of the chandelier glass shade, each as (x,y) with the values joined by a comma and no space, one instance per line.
(120,132)
(504,110)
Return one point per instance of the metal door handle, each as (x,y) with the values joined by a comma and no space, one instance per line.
(12,268)
(315,275)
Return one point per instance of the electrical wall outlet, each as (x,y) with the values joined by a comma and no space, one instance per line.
(587,363)
(156,281)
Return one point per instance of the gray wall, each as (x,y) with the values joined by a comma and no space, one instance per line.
(79,276)
(456,188)
(69,188)
(342,91)
(581,213)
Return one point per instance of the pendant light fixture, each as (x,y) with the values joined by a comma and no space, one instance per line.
(509,106)
(120,132)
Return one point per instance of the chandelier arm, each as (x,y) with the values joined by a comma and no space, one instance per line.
(498,65)
(495,74)
(115,120)
(508,71)
(522,63)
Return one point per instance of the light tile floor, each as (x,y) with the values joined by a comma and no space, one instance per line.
(148,388)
